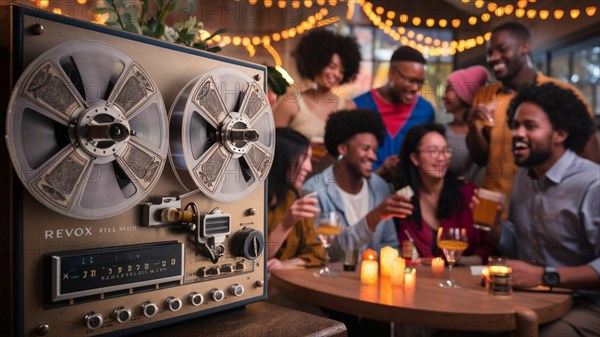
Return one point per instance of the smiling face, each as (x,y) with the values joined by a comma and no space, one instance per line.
(301,169)
(533,137)
(452,103)
(360,152)
(332,75)
(432,156)
(506,55)
(406,78)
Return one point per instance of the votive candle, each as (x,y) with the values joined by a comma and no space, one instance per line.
(388,255)
(410,279)
(369,254)
(397,275)
(368,272)
(437,266)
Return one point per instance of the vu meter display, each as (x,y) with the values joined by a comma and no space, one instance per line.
(95,271)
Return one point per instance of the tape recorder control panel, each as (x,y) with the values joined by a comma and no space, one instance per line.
(138,185)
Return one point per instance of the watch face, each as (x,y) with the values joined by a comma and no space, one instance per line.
(551,278)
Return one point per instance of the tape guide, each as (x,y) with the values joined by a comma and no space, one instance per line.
(136,173)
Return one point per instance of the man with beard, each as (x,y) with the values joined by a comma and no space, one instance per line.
(350,187)
(554,224)
(399,104)
(489,138)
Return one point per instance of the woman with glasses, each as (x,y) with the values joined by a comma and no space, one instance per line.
(440,198)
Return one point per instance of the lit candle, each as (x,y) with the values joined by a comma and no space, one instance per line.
(369,254)
(485,276)
(388,255)
(410,279)
(368,272)
(437,266)
(397,276)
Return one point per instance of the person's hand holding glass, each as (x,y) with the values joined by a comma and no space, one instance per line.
(452,241)
(328,227)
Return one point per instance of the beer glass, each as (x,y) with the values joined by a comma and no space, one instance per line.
(484,214)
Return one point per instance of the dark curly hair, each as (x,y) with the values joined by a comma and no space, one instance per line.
(344,124)
(316,48)
(565,110)
(290,145)
(451,200)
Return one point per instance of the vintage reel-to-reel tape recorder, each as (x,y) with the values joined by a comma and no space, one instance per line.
(136,178)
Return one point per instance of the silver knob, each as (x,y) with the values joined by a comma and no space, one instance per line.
(174,303)
(93,320)
(149,309)
(217,295)
(236,289)
(121,314)
(196,299)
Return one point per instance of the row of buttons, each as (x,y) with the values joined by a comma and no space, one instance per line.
(94,320)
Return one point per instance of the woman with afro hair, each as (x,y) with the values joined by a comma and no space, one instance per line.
(328,60)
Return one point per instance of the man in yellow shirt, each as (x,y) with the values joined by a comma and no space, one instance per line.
(489,139)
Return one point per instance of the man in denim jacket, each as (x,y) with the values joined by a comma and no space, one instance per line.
(350,187)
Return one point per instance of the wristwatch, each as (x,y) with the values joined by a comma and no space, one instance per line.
(550,277)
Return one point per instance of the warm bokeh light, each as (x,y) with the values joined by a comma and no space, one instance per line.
(485,17)
(256,40)
(491,7)
(276,37)
(281,4)
(308,3)
(295,4)
(456,23)
(391,15)
(590,11)
(403,18)
(544,14)
(236,40)
(531,13)
(472,20)
(379,10)
(82,2)
(558,14)
(575,13)
(268,3)
(443,23)
(479,3)
(508,9)
(57,10)
(522,3)
(416,21)
(245,41)
(520,12)
(430,22)
(499,11)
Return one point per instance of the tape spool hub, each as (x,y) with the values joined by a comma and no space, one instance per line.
(87,130)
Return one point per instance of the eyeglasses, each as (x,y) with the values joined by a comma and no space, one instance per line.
(435,152)
(413,81)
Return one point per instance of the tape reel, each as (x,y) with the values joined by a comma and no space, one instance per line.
(87,130)
(222,135)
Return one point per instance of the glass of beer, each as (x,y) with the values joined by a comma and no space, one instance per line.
(484,214)
(328,227)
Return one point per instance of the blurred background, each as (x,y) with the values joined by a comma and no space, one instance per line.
(450,33)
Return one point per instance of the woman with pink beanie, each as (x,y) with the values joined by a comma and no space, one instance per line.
(461,87)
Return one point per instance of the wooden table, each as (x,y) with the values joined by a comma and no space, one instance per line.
(254,320)
(468,308)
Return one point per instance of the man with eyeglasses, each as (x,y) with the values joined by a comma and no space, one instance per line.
(400,105)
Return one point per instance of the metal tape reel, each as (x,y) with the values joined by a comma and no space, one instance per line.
(222,135)
(87,130)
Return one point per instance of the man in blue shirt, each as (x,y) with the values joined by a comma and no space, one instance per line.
(554,222)
(399,104)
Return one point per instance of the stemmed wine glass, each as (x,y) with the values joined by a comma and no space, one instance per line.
(329,226)
(452,241)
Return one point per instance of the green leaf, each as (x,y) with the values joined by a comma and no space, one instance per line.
(276,82)
(103,10)
(217,32)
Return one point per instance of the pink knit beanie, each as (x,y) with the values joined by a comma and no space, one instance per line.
(467,81)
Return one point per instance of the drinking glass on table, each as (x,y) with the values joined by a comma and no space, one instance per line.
(328,227)
(452,241)
(484,213)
